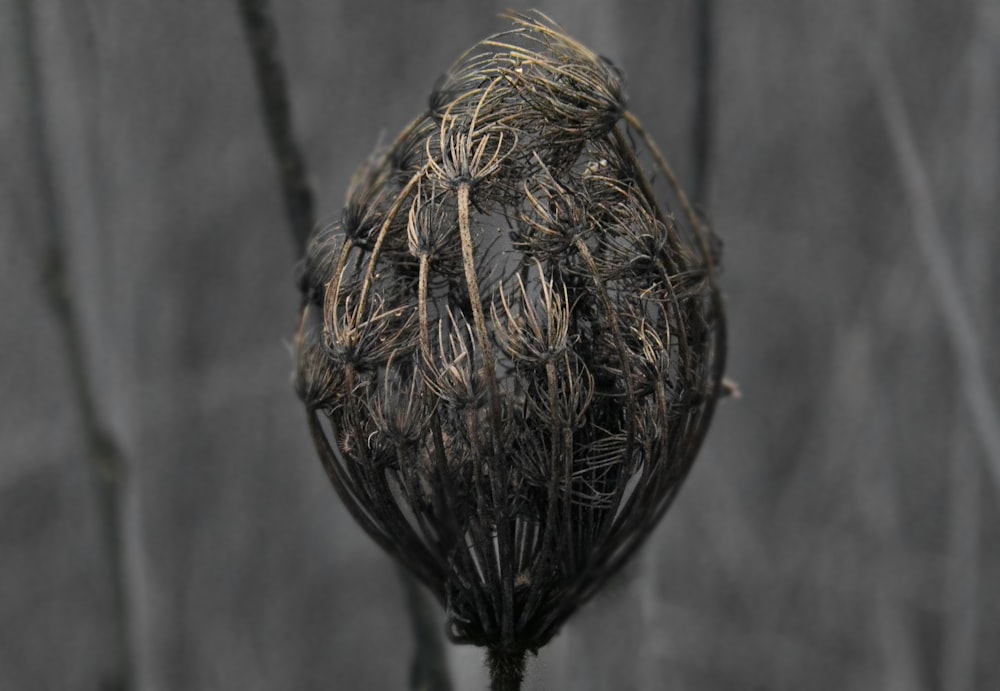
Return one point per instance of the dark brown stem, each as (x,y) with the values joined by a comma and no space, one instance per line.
(428,669)
(701,134)
(106,460)
(498,478)
(262,38)
(506,669)
(668,173)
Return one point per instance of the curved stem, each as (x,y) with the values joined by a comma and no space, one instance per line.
(671,177)
(498,473)
(262,37)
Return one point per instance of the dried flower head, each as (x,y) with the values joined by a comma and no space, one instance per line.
(510,348)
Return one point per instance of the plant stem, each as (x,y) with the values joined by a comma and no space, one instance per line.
(931,234)
(107,464)
(428,669)
(506,669)
(262,38)
(701,135)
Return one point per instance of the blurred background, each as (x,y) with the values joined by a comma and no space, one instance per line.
(840,529)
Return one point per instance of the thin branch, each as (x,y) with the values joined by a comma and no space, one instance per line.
(957,322)
(962,611)
(701,134)
(262,38)
(963,592)
(107,463)
(429,668)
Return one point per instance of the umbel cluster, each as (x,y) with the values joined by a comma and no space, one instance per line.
(510,348)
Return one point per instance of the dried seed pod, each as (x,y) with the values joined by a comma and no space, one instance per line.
(511,354)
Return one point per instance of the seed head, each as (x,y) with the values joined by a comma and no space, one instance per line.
(510,348)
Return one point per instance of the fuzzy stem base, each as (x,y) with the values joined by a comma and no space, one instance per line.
(506,669)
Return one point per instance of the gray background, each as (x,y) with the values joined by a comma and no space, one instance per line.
(840,530)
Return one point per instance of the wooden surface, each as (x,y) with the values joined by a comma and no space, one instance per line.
(840,529)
